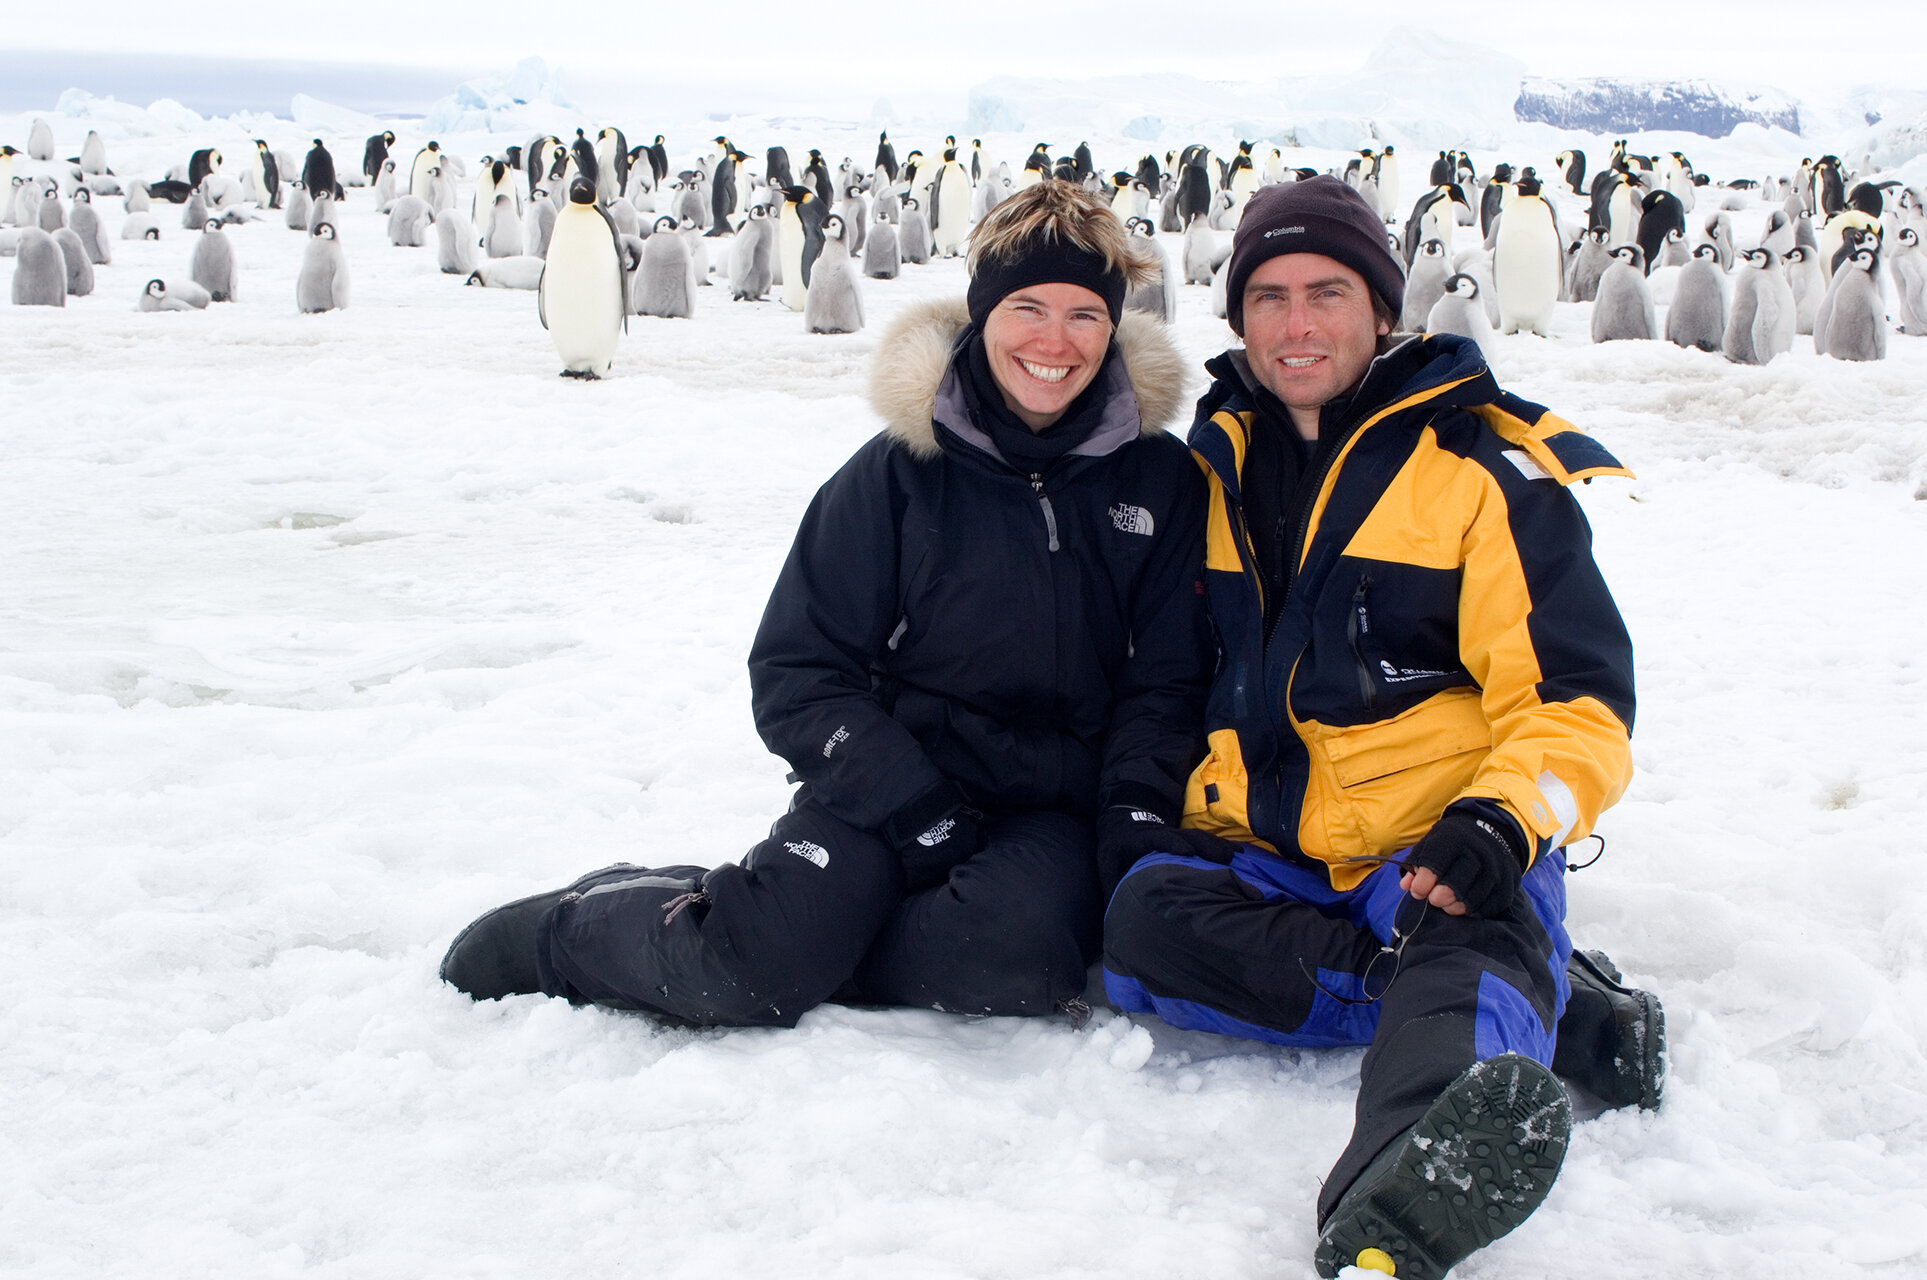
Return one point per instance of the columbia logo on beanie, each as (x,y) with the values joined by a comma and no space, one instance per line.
(1316,215)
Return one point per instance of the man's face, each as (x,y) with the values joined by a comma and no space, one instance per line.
(1309,330)
(1045,343)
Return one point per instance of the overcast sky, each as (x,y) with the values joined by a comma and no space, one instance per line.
(877,47)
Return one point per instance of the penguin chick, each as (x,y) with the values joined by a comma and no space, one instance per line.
(1759,322)
(662,286)
(183,296)
(1908,270)
(1697,315)
(213,263)
(913,233)
(80,272)
(1857,322)
(408,222)
(1424,285)
(1157,296)
(1808,283)
(880,258)
(1624,308)
(834,304)
(1459,310)
(323,282)
(39,270)
(455,243)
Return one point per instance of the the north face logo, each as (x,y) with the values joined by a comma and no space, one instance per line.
(1130,519)
(809,852)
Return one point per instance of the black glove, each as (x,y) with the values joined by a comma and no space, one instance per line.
(933,833)
(1125,834)
(1478,856)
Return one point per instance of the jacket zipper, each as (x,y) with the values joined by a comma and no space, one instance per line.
(1050,516)
(1357,626)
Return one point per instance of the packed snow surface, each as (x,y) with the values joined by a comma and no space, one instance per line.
(323,634)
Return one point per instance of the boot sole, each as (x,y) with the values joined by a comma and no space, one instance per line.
(1473,1168)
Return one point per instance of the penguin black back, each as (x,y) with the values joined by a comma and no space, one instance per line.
(318,173)
(776,168)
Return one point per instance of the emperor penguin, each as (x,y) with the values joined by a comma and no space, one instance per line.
(1719,234)
(950,207)
(39,270)
(140,226)
(1200,252)
(913,233)
(323,282)
(52,215)
(1494,198)
(612,165)
(854,211)
(1424,285)
(1157,296)
(790,238)
(1697,314)
(1460,311)
(834,304)
(523,272)
(266,173)
(1623,210)
(184,295)
(1387,179)
(1759,321)
(1526,261)
(1572,170)
(722,191)
(1433,218)
(1623,308)
(93,154)
(1907,267)
(752,257)
(1808,283)
(456,243)
(538,224)
(495,178)
(203,162)
(375,154)
(1660,212)
(87,225)
(80,272)
(1778,234)
(1856,324)
(1839,234)
(408,222)
(385,192)
(880,257)
(40,140)
(137,200)
(580,299)
(213,263)
(318,173)
(299,206)
(662,282)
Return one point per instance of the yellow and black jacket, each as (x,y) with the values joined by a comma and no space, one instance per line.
(1445,634)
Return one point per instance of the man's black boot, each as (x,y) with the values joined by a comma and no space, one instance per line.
(1475,1166)
(495,955)
(1612,1037)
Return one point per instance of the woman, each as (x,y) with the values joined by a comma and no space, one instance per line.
(984,659)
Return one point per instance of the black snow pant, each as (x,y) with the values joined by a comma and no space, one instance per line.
(1266,948)
(819,910)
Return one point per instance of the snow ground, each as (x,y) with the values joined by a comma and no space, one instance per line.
(325,633)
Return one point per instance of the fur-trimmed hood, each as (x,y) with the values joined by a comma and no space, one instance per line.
(910,373)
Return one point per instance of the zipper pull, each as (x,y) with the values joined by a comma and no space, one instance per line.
(1050,516)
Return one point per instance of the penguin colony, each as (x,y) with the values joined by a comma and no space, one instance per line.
(603,230)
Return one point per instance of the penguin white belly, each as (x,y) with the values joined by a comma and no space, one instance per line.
(789,248)
(953,212)
(1525,269)
(581,295)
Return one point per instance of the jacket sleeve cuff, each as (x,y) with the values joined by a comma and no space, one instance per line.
(1524,848)
(1138,795)
(921,812)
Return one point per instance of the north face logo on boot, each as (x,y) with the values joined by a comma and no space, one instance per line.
(1130,519)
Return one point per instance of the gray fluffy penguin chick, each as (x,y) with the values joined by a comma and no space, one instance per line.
(40,140)
(913,232)
(1697,316)
(623,214)
(1675,252)
(86,224)
(661,286)
(213,265)
(80,272)
(698,253)
(194,213)
(1461,310)
(1808,283)
(324,211)
(880,261)
(408,222)
(1588,264)
(538,225)
(854,211)
(1907,268)
(1159,295)
(299,206)
(385,192)
(1624,308)
(1778,234)
(1719,234)
(93,154)
(1759,323)
(1424,285)
(187,296)
(140,226)
(1857,323)
(39,271)
(504,238)
(456,248)
(137,200)
(521,272)
(323,282)
(1200,251)
(53,214)
(750,270)
(1218,307)
(834,304)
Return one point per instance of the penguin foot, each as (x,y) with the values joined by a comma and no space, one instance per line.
(585,374)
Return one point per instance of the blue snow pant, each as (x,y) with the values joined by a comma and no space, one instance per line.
(1266,948)
(821,909)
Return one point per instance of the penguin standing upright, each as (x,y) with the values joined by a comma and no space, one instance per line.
(538,224)
(776,169)
(799,237)
(886,162)
(1856,322)
(1660,212)
(1908,269)
(1572,170)
(834,304)
(1200,254)
(1808,286)
(1624,308)
(1759,320)
(1697,315)
(1433,218)
(1194,190)
(855,213)
(80,272)
(265,173)
(93,155)
(1424,285)
(580,299)
(1157,296)
(913,233)
(299,206)
(323,282)
(1460,311)
(39,270)
(816,176)
(662,285)
(375,154)
(456,243)
(722,192)
(950,207)
(1388,202)
(408,222)
(1719,234)
(612,166)
(1493,198)
(1526,262)
(87,225)
(752,256)
(880,258)
(318,173)
(213,263)
(385,187)
(1589,261)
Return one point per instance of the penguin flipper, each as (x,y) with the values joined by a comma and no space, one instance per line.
(542,295)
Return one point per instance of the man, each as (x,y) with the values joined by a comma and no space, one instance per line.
(986,654)
(1424,693)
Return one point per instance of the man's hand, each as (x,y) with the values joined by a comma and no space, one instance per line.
(1467,864)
